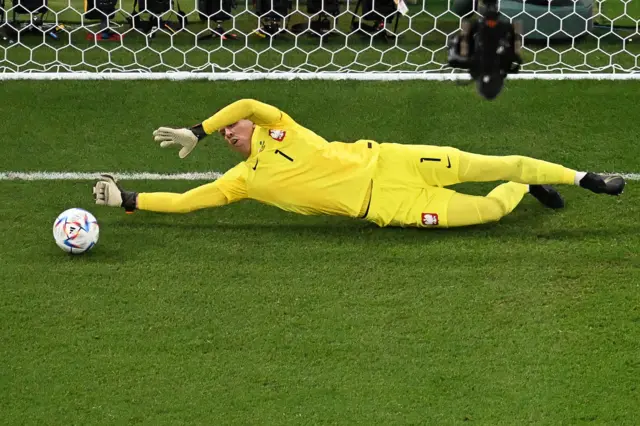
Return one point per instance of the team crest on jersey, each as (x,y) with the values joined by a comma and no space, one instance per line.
(277,134)
(429,219)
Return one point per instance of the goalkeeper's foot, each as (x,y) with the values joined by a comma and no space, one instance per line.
(547,195)
(611,185)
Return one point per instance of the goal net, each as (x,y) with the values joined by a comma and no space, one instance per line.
(356,38)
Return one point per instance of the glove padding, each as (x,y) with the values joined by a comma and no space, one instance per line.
(107,192)
(181,137)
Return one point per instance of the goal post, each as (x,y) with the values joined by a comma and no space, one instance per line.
(310,39)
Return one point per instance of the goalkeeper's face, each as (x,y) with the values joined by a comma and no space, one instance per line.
(238,136)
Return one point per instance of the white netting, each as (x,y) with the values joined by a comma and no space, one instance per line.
(303,36)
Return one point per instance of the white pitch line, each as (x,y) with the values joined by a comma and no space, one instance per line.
(627,176)
(119,176)
(31,176)
(619,74)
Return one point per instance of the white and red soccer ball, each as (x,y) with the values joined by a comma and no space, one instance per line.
(76,231)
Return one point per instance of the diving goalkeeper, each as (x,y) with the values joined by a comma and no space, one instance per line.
(289,166)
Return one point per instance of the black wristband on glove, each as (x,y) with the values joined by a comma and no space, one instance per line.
(198,130)
(129,201)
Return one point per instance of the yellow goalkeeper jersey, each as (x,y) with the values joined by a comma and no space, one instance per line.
(293,168)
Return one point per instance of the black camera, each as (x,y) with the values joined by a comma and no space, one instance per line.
(489,48)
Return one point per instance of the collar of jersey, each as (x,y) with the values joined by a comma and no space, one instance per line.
(254,147)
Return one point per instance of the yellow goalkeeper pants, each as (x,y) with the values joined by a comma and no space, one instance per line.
(410,180)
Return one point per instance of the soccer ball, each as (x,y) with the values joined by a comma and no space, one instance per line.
(76,231)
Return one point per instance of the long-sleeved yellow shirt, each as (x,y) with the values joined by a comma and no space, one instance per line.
(290,167)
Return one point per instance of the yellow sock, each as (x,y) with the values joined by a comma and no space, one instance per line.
(514,168)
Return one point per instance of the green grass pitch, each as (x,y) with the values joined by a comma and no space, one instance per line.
(247,315)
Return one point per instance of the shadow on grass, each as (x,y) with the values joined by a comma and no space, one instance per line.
(526,224)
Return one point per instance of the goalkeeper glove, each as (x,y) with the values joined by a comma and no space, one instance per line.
(185,138)
(107,192)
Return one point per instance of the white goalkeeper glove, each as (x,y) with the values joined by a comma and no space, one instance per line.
(107,192)
(184,138)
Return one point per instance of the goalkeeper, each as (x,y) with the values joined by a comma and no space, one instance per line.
(289,166)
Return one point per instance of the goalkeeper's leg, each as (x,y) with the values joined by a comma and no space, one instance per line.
(465,210)
(514,168)
(444,166)
(518,168)
(435,207)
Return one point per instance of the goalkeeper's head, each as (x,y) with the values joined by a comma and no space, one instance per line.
(238,136)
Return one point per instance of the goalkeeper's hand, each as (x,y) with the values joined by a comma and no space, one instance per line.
(107,192)
(184,138)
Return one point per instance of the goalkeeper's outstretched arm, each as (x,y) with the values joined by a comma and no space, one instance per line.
(259,113)
(202,197)
(229,188)
(249,109)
